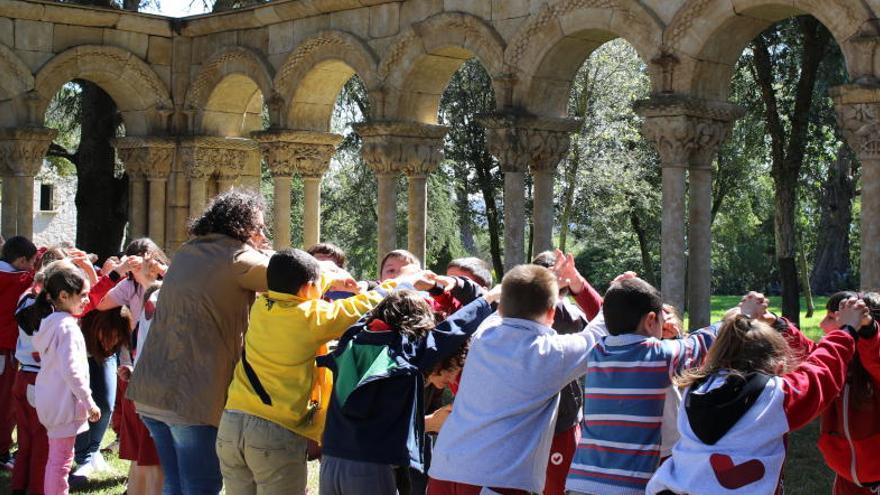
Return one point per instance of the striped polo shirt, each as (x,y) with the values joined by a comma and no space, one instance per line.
(624,394)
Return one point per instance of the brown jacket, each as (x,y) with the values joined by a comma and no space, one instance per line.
(195,340)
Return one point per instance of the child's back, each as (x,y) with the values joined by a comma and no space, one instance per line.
(501,427)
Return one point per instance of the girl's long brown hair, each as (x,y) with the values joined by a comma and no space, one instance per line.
(407,312)
(743,346)
(101,327)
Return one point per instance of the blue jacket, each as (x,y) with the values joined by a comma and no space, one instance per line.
(376,410)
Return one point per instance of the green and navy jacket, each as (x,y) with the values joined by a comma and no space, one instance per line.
(376,409)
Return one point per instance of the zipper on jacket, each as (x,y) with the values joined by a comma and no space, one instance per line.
(852,448)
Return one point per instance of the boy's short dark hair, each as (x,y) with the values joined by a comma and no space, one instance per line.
(290,269)
(626,302)
(18,247)
(329,250)
(547,259)
(528,292)
(478,268)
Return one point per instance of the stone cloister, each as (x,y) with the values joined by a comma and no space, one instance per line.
(191,93)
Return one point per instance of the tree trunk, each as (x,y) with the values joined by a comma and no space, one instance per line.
(463,204)
(831,263)
(805,283)
(571,171)
(484,179)
(101,197)
(642,235)
(788,149)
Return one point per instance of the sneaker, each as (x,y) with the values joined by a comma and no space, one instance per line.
(84,471)
(100,464)
(7,461)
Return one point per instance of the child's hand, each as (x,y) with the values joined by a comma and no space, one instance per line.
(434,421)
(124,372)
(94,414)
(754,305)
(567,272)
(852,312)
(494,295)
(445,283)
(426,280)
(109,265)
(625,276)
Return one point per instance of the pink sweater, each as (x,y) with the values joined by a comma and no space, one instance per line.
(62,394)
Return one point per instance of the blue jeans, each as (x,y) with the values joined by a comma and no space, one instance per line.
(102,380)
(188,457)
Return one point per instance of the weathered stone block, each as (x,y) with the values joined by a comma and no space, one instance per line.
(356,22)
(159,51)
(509,9)
(384,20)
(267,15)
(418,10)
(164,73)
(480,9)
(81,16)
(34,60)
(67,36)
(33,35)
(303,28)
(144,24)
(258,39)
(182,55)
(7,33)
(21,10)
(507,28)
(136,43)
(281,37)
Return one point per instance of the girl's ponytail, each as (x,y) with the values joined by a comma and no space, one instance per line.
(30,317)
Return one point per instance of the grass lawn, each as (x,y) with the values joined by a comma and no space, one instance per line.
(805,472)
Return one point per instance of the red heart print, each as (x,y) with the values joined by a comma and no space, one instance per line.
(733,476)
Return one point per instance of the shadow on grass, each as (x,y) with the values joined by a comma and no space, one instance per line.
(99,485)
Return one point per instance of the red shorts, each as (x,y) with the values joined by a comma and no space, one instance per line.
(843,486)
(135,442)
(440,487)
(561,454)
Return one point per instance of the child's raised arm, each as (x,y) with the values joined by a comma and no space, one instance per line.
(447,337)
(818,380)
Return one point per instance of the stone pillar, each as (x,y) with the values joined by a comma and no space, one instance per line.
(21,152)
(305,152)
(858,117)
(206,157)
(520,143)
(147,158)
(687,133)
(412,148)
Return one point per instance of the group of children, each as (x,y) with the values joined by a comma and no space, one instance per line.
(443,384)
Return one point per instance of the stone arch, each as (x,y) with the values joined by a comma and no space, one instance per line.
(707,38)
(139,93)
(311,78)
(17,78)
(228,92)
(547,51)
(417,68)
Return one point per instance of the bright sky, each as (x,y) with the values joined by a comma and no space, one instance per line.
(178,8)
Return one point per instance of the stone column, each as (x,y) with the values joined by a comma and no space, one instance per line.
(9,222)
(415,149)
(520,143)
(22,151)
(305,152)
(687,133)
(147,158)
(206,157)
(858,117)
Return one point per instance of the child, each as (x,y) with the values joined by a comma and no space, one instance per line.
(394,261)
(850,430)
(62,396)
(625,391)
(740,405)
(375,424)
(471,268)
(501,427)
(17,261)
(278,399)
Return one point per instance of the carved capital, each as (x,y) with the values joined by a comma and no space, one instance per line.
(858,117)
(686,132)
(146,156)
(523,142)
(305,152)
(22,149)
(410,148)
(205,156)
